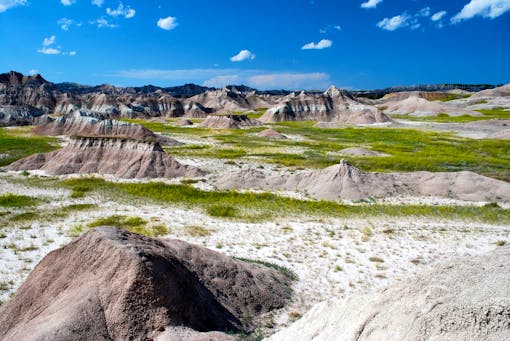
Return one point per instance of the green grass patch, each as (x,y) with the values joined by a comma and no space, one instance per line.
(17,143)
(451,97)
(267,206)
(13,200)
(222,211)
(132,224)
(445,118)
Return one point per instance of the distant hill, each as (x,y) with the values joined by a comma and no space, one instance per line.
(375,94)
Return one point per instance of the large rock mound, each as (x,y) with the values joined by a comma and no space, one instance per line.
(334,105)
(123,158)
(271,134)
(414,104)
(229,121)
(343,181)
(113,284)
(79,125)
(467,299)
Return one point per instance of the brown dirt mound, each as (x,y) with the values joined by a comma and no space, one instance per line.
(229,121)
(78,125)
(343,181)
(113,284)
(271,134)
(465,299)
(356,151)
(184,122)
(123,158)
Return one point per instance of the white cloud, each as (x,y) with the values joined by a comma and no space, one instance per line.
(33,72)
(6,4)
(48,50)
(371,3)
(66,23)
(67,2)
(398,21)
(437,16)
(102,23)
(316,80)
(243,55)
(221,81)
(168,23)
(424,12)
(126,12)
(98,3)
(49,46)
(49,41)
(329,28)
(323,44)
(484,8)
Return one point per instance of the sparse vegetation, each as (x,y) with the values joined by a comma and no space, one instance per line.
(17,143)
(13,200)
(286,271)
(375,259)
(197,231)
(132,224)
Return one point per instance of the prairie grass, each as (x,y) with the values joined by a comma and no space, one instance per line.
(445,118)
(13,200)
(133,224)
(282,269)
(267,206)
(17,143)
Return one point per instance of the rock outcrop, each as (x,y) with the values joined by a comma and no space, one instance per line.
(271,134)
(78,125)
(229,121)
(343,181)
(110,284)
(123,158)
(501,91)
(466,299)
(334,105)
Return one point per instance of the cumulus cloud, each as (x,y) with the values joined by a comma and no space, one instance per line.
(323,44)
(168,23)
(485,8)
(6,4)
(67,2)
(102,23)
(243,55)
(391,24)
(424,12)
(371,3)
(33,72)
(437,16)
(98,3)
(49,46)
(122,11)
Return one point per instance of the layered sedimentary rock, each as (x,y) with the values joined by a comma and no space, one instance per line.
(110,284)
(79,125)
(334,105)
(229,122)
(343,181)
(465,299)
(123,158)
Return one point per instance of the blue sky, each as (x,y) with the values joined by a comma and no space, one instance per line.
(292,44)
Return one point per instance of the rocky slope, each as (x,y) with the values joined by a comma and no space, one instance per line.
(334,105)
(229,122)
(466,299)
(79,125)
(123,158)
(343,181)
(113,284)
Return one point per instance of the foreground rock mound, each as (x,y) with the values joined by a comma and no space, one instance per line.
(123,158)
(334,105)
(343,181)
(78,125)
(113,284)
(467,299)
(271,134)
(229,122)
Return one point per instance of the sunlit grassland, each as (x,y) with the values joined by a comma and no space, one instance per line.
(16,143)
(248,206)
(445,118)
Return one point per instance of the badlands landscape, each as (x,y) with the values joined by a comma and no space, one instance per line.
(230,213)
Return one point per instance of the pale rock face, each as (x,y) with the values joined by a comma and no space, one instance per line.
(334,105)
(123,158)
(465,299)
(343,181)
(229,122)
